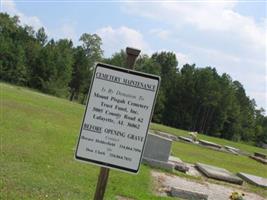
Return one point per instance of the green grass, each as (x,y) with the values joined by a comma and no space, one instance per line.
(193,153)
(240,145)
(38,135)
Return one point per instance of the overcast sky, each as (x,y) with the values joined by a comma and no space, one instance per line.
(228,35)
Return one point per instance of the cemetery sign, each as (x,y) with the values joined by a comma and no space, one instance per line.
(118,112)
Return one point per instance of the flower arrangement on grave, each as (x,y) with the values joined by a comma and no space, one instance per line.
(237,196)
(193,136)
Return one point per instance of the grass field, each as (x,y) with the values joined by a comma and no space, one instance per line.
(38,135)
(240,145)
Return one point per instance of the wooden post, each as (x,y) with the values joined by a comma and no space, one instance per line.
(102,183)
(132,54)
(131,57)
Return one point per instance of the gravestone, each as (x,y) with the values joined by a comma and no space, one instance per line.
(157,151)
(218,173)
(167,135)
(157,147)
(259,159)
(232,150)
(186,194)
(186,139)
(209,144)
(255,180)
(261,155)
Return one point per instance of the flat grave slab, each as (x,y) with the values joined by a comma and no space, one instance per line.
(214,191)
(259,159)
(232,150)
(218,173)
(255,180)
(159,164)
(186,139)
(261,155)
(167,135)
(187,194)
(211,144)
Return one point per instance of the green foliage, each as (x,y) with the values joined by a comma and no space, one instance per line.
(117,59)
(190,98)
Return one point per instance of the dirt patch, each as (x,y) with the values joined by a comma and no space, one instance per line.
(163,183)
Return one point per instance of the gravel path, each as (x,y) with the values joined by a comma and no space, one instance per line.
(214,191)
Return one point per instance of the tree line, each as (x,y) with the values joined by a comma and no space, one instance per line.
(190,98)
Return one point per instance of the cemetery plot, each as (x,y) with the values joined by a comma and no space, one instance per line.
(256,180)
(259,159)
(209,144)
(190,189)
(218,173)
(186,139)
(157,152)
(261,155)
(157,148)
(187,194)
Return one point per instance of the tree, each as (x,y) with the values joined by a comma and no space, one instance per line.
(168,72)
(41,36)
(79,72)
(117,59)
(91,44)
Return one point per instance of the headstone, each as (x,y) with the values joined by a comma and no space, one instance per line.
(157,148)
(186,194)
(186,139)
(261,155)
(157,152)
(256,180)
(218,173)
(211,144)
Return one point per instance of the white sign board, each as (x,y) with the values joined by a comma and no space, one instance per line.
(117,116)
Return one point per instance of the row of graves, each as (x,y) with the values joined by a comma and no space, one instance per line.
(157,154)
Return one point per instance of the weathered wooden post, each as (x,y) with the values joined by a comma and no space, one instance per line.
(132,54)
(101,183)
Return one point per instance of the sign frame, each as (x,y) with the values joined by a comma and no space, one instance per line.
(128,71)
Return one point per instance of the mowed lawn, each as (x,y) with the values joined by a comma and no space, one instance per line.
(193,153)
(38,135)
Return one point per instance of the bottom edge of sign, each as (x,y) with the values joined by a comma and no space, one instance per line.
(107,165)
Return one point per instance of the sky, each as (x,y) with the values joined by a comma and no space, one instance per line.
(228,35)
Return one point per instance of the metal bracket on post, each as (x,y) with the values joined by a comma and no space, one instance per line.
(132,54)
